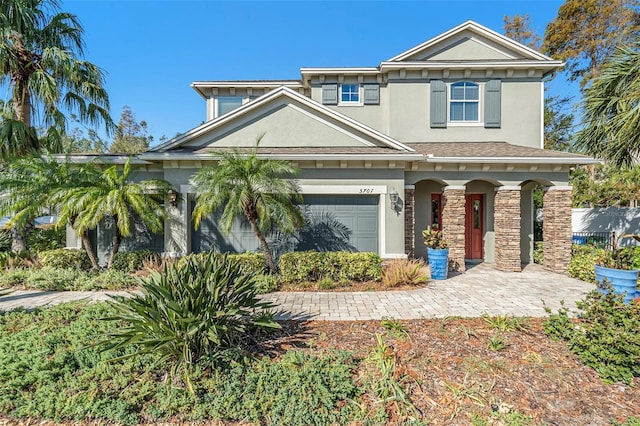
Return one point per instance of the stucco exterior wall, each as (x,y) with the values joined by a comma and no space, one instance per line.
(314,181)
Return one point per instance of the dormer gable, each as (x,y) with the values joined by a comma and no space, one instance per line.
(469,42)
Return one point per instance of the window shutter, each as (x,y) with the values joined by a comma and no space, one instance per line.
(330,94)
(372,94)
(492,104)
(438,104)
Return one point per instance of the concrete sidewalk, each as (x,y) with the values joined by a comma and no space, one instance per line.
(480,290)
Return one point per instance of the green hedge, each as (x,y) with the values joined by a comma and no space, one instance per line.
(250,262)
(65,259)
(59,279)
(338,266)
(131,261)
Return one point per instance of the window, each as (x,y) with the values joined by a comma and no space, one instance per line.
(436,212)
(228,103)
(350,93)
(464,101)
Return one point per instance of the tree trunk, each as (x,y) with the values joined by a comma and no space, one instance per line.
(86,243)
(19,236)
(268,257)
(117,240)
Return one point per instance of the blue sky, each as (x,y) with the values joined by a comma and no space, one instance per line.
(152,50)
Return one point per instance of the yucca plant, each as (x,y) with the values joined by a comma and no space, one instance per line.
(191,313)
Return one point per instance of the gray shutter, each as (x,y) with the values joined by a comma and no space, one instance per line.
(438,104)
(372,94)
(330,94)
(492,104)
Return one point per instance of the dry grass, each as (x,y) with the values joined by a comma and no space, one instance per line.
(404,272)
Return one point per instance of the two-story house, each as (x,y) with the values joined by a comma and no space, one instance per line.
(448,133)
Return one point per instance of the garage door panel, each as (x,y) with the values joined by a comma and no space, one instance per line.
(358,213)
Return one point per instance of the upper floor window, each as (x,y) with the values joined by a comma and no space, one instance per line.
(464,102)
(349,93)
(228,103)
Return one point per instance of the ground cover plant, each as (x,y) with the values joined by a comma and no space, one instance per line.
(436,372)
(605,337)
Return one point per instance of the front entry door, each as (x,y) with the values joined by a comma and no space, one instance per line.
(474,229)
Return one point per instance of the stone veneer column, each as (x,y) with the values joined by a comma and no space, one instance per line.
(453,224)
(409,220)
(506,225)
(556,228)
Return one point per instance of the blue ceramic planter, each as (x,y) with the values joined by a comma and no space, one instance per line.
(438,263)
(621,280)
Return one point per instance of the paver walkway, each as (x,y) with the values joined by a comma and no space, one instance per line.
(480,290)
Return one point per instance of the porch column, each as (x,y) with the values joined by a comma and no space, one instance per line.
(556,228)
(453,224)
(409,220)
(506,225)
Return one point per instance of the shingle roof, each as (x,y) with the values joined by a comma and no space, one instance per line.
(325,150)
(488,149)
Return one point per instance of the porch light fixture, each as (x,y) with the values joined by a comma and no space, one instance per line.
(395,202)
(172,197)
(393,196)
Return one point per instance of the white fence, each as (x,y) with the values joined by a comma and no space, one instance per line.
(621,220)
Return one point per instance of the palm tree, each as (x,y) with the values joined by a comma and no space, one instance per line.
(611,114)
(36,182)
(262,190)
(114,196)
(41,65)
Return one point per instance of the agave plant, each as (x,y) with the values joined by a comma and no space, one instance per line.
(191,313)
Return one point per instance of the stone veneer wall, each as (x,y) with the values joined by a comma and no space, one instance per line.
(409,221)
(453,225)
(556,228)
(506,219)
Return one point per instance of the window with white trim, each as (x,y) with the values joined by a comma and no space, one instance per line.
(350,94)
(228,103)
(464,102)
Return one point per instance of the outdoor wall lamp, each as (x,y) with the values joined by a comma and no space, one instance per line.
(395,202)
(172,197)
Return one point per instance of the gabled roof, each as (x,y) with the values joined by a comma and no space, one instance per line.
(312,107)
(475,28)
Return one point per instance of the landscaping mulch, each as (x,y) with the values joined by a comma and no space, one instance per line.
(451,373)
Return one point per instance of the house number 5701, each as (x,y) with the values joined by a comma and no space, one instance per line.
(366,190)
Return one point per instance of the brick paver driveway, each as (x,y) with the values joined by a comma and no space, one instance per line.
(480,290)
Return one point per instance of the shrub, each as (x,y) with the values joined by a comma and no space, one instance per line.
(5,240)
(538,252)
(582,263)
(14,277)
(266,283)
(606,338)
(41,239)
(250,262)
(110,280)
(326,283)
(339,266)
(53,279)
(404,272)
(132,261)
(191,313)
(65,259)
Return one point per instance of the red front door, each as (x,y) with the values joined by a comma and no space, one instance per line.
(474,226)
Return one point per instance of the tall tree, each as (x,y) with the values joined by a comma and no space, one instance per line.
(611,117)
(114,196)
(41,64)
(558,122)
(261,190)
(518,28)
(586,32)
(131,136)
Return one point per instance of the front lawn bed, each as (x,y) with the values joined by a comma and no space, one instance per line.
(449,371)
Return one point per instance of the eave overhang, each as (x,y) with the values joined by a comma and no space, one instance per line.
(202,87)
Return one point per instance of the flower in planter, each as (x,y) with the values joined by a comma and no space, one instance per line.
(433,239)
(624,258)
